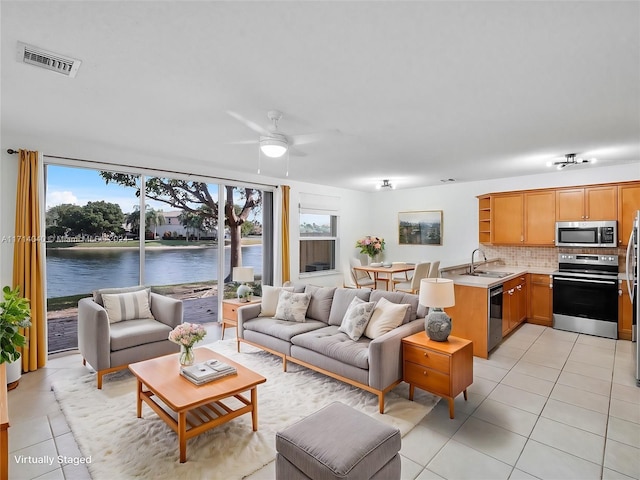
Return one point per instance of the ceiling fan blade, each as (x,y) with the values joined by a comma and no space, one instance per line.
(252,125)
(306,138)
(294,152)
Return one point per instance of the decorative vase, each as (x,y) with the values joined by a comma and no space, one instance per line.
(187,355)
(437,325)
(374,259)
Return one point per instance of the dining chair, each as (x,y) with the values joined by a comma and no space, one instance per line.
(360,278)
(434,272)
(413,286)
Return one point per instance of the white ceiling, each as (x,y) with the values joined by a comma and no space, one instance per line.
(419,91)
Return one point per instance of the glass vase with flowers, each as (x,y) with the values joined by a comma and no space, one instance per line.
(186,335)
(371,246)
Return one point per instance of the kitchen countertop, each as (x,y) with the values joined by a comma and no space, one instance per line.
(489,282)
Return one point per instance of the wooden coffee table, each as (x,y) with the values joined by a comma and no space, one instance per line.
(194,403)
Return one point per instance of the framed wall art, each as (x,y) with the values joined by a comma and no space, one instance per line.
(420,228)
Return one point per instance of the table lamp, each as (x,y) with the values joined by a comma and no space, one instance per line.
(437,293)
(243,275)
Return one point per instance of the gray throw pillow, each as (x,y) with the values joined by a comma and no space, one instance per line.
(292,307)
(356,318)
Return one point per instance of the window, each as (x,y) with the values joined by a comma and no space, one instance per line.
(318,240)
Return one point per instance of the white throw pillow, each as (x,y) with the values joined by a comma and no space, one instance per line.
(127,306)
(292,307)
(356,318)
(270,297)
(386,316)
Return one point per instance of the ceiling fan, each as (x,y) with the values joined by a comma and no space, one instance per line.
(570,159)
(273,142)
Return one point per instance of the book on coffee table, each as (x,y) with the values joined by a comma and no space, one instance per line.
(207,371)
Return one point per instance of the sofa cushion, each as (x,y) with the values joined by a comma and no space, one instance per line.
(281,329)
(386,316)
(330,342)
(270,296)
(320,304)
(127,306)
(357,317)
(342,298)
(97,294)
(132,333)
(292,306)
(399,297)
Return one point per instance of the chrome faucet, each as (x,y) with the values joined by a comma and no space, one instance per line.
(472,268)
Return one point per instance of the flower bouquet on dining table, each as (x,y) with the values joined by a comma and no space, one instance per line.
(371,246)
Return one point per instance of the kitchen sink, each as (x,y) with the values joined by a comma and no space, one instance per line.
(490,274)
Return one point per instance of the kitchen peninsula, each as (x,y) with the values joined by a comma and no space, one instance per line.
(493,301)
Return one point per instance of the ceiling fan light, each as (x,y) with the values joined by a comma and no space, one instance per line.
(273,147)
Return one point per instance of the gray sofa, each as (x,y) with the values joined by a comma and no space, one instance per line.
(373,365)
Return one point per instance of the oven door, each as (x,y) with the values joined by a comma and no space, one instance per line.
(586,305)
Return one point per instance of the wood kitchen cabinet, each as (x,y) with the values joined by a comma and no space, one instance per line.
(514,303)
(507,220)
(539,218)
(628,204)
(469,317)
(520,219)
(541,300)
(625,311)
(588,203)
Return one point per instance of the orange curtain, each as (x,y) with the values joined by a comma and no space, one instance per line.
(28,259)
(286,263)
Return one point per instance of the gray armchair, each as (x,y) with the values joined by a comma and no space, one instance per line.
(109,347)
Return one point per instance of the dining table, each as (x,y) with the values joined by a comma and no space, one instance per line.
(388,271)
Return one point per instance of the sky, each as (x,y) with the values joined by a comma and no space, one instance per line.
(81,185)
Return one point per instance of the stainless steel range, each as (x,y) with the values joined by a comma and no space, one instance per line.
(585,294)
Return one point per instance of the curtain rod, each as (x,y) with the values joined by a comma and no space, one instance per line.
(11,151)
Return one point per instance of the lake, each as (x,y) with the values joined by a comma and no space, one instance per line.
(78,271)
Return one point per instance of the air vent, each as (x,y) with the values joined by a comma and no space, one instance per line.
(49,60)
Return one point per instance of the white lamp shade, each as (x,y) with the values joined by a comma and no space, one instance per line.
(243,274)
(437,292)
(273,147)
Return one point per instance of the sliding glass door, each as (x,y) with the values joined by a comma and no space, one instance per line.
(114,229)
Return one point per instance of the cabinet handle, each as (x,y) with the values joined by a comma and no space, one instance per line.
(619,293)
(426,354)
(519,287)
(424,373)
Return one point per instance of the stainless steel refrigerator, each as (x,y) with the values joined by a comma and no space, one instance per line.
(633,273)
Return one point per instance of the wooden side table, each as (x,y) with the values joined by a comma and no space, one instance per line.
(230,311)
(442,368)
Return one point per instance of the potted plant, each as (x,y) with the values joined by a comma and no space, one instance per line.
(14,314)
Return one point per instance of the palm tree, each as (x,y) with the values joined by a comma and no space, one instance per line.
(154,217)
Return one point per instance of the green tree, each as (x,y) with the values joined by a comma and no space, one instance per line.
(101,217)
(195,197)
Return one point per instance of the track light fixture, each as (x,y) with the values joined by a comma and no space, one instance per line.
(571,159)
(385,184)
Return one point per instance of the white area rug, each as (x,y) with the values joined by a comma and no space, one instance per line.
(122,446)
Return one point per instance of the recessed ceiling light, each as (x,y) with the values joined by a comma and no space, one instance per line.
(448,180)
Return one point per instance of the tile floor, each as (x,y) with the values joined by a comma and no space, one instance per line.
(547,404)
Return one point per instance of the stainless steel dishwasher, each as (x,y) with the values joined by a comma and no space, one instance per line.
(495,317)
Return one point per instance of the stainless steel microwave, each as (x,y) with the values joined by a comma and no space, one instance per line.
(587,234)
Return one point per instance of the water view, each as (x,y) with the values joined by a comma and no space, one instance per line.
(75,271)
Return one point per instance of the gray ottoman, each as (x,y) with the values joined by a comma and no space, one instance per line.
(338,442)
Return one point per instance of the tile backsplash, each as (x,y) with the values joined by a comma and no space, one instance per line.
(546,257)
